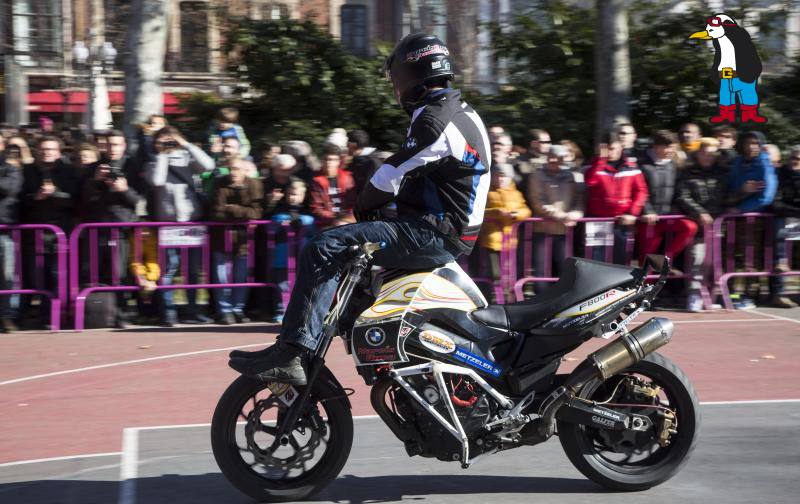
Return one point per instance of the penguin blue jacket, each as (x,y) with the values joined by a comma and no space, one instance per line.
(759,169)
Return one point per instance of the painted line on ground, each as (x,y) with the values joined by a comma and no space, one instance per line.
(129,466)
(751,401)
(56,459)
(127,363)
(777,317)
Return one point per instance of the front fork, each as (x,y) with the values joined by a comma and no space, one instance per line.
(316,359)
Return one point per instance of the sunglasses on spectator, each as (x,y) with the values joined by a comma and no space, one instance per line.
(544,141)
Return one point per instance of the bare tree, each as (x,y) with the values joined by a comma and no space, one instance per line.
(612,65)
(144,62)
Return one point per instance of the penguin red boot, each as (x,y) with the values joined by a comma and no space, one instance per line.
(726,113)
(750,113)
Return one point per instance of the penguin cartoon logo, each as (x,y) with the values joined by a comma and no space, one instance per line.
(736,69)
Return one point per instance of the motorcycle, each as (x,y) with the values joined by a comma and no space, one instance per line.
(458,379)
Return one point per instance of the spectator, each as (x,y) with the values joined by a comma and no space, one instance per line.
(268,153)
(660,172)
(536,156)
(339,138)
(700,194)
(502,147)
(752,184)
(293,210)
(229,158)
(785,206)
(505,205)
(25,152)
(49,196)
(363,162)
(627,137)
(308,166)
(277,184)
(107,197)
(87,160)
(10,187)
(689,135)
(145,269)
(574,156)
(176,200)
(558,194)
(333,193)
(237,198)
(727,136)
(616,188)
(227,126)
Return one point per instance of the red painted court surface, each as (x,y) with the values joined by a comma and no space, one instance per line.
(70,394)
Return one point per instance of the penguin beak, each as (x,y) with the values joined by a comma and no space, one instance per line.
(702,35)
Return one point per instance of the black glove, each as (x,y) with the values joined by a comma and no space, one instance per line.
(367,215)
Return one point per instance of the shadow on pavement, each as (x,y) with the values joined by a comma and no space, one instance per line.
(214,488)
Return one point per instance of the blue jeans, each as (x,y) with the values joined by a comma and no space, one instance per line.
(173,264)
(777,283)
(621,234)
(232,299)
(730,88)
(8,302)
(410,244)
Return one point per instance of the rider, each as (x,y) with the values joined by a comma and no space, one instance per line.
(439,180)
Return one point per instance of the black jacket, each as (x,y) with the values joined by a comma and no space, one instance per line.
(10,187)
(701,190)
(787,200)
(441,172)
(660,185)
(362,168)
(60,207)
(101,204)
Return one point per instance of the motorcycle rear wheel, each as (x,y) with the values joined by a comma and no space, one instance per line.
(254,470)
(584,445)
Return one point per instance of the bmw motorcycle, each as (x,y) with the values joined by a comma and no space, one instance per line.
(457,379)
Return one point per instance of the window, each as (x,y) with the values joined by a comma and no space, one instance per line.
(36,31)
(354,29)
(274,11)
(194,37)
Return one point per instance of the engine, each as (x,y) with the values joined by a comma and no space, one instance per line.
(473,406)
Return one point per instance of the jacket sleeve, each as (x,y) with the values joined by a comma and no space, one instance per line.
(203,160)
(523,212)
(425,144)
(579,198)
(648,205)
(535,197)
(11,181)
(590,178)
(640,194)
(760,200)
(156,171)
(244,142)
(252,209)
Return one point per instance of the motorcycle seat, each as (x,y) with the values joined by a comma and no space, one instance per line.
(580,279)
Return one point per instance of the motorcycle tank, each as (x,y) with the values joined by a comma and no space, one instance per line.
(404,305)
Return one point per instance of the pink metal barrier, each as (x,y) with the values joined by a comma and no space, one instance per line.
(725,259)
(516,275)
(79,294)
(58,298)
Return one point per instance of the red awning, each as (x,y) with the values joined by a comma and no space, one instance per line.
(75,102)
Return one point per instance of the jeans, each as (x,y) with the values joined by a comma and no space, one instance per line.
(777,283)
(409,244)
(230,300)
(8,302)
(730,88)
(557,252)
(621,235)
(173,263)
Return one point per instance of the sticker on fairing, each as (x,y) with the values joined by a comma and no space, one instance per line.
(437,342)
(596,303)
(476,362)
(283,391)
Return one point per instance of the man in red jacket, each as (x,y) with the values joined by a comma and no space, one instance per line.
(333,194)
(616,188)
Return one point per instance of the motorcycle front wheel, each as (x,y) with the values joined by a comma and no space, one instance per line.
(243,430)
(621,460)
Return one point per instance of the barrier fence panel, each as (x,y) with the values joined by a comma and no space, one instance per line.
(759,239)
(40,273)
(596,237)
(185,239)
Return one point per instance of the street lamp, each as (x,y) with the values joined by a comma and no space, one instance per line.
(100,61)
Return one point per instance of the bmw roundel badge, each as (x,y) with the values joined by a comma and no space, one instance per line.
(375,336)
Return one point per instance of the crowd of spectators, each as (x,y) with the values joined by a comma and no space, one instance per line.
(65,177)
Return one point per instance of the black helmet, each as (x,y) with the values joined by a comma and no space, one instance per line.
(416,62)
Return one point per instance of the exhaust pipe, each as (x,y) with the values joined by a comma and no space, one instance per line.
(606,362)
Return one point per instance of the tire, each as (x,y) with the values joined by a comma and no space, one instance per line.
(227,452)
(578,445)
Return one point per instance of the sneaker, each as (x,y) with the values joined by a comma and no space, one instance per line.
(277,319)
(226,319)
(284,365)
(782,266)
(694,303)
(196,318)
(241,318)
(783,302)
(170,319)
(744,303)
(8,326)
